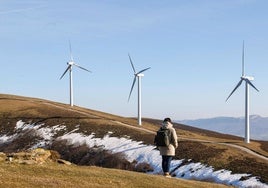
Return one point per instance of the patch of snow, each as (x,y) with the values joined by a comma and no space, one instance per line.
(19,124)
(46,133)
(4,138)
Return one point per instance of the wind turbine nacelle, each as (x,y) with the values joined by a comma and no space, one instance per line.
(140,75)
(70,63)
(250,78)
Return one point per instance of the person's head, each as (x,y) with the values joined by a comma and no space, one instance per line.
(167,120)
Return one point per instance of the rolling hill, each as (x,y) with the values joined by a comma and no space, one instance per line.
(232,125)
(28,123)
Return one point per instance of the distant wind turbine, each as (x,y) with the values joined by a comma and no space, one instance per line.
(70,64)
(247,80)
(139,75)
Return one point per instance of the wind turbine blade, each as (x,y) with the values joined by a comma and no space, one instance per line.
(70,46)
(81,67)
(243,58)
(143,70)
(132,87)
(249,82)
(239,83)
(65,71)
(132,64)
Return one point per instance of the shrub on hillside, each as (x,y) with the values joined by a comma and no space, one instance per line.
(25,140)
(143,167)
(94,156)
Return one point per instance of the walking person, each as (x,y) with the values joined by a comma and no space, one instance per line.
(167,152)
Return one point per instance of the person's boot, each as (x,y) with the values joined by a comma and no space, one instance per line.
(166,174)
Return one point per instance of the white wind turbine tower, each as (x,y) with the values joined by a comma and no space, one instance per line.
(139,75)
(247,80)
(70,66)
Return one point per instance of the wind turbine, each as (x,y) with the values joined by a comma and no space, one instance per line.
(137,75)
(247,80)
(70,64)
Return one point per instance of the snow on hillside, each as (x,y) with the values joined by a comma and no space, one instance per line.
(142,153)
(233,126)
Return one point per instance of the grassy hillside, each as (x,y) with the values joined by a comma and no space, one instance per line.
(58,175)
(195,144)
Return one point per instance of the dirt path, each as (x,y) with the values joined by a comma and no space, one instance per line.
(230,145)
(246,150)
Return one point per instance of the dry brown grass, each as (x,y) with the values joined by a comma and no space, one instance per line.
(55,175)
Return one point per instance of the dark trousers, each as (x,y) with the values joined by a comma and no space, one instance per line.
(166,160)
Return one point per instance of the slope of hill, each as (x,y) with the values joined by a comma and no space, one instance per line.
(55,176)
(234,126)
(80,135)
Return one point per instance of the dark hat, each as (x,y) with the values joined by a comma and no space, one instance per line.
(167,120)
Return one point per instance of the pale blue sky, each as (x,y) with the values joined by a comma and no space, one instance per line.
(193,48)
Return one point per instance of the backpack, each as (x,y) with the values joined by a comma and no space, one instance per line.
(162,137)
